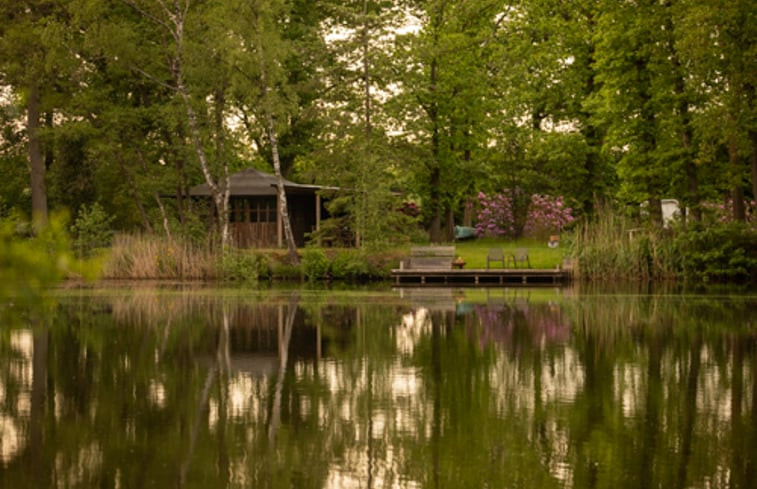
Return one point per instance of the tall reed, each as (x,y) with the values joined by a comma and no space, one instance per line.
(611,246)
(153,257)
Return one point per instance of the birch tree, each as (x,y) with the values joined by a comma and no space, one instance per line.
(175,22)
(261,86)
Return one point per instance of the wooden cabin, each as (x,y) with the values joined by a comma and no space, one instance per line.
(254,220)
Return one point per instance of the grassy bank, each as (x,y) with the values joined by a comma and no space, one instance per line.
(151,257)
(474,252)
(609,248)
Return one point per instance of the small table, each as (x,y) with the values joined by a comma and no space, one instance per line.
(458,264)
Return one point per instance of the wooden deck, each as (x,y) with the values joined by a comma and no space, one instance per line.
(480,277)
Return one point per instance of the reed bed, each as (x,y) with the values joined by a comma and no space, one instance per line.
(152,257)
(614,247)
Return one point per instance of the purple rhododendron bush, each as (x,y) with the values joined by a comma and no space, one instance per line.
(512,214)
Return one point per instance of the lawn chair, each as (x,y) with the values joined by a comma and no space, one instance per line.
(495,254)
(520,255)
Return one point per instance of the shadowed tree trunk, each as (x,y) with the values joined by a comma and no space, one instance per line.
(36,159)
(753,162)
(689,411)
(737,189)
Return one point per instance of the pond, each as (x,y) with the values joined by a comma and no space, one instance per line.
(418,388)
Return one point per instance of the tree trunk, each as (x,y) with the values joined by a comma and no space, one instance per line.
(164,216)
(283,211)
(366,74)
(753,163)
(737,188)
(687,132)
(220,193)
(449,234)
(36,160)
(135,195)
(435,228)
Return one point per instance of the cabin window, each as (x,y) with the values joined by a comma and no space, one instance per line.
(253,210)
(265,210)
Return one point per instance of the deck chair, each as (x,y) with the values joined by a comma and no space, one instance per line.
(495,255)
(520,255)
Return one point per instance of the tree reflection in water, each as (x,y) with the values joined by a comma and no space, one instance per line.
(511,388)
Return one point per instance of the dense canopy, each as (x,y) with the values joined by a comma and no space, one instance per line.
(124,102)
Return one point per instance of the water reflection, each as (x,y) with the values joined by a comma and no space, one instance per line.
(418,388)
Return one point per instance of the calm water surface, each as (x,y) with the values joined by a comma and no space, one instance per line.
(514,388)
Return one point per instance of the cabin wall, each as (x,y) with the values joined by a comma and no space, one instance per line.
(252,220)
(301,216)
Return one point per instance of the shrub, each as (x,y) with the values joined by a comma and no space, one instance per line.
(720,252)
(315,264)
(722,212)
(350,265)
(286,271)
(546,215)
(512,213)
(240,266)
(91,229)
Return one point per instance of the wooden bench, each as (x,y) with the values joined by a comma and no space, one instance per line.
(430,258)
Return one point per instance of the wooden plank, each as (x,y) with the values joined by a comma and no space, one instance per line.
(432,251)
(479,277)
(431,257)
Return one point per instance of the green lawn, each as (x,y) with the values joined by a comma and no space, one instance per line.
(541,256)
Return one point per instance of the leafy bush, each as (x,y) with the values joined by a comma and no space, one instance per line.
(92,229)
(720,252)
(286,271)
(239,266)
(547,214)
(350,265)
(315,264)
(512,213)
(722,212)
(34,257)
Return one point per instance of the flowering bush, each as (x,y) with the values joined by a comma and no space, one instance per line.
(723,211)
(499,214)
(495,215)
(547,214)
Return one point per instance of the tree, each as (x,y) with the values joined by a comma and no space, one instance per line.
(718,41)
(173,25)
(34,62)
(261,85)
(356,152)
(444,101)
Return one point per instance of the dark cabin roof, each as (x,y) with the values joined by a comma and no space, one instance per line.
(252,182)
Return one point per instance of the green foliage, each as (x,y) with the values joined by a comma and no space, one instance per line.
(605,102)
(31,260)
(718,252)
(315,265)
(350,265)
(244,267)
(92,229)
(286,271)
